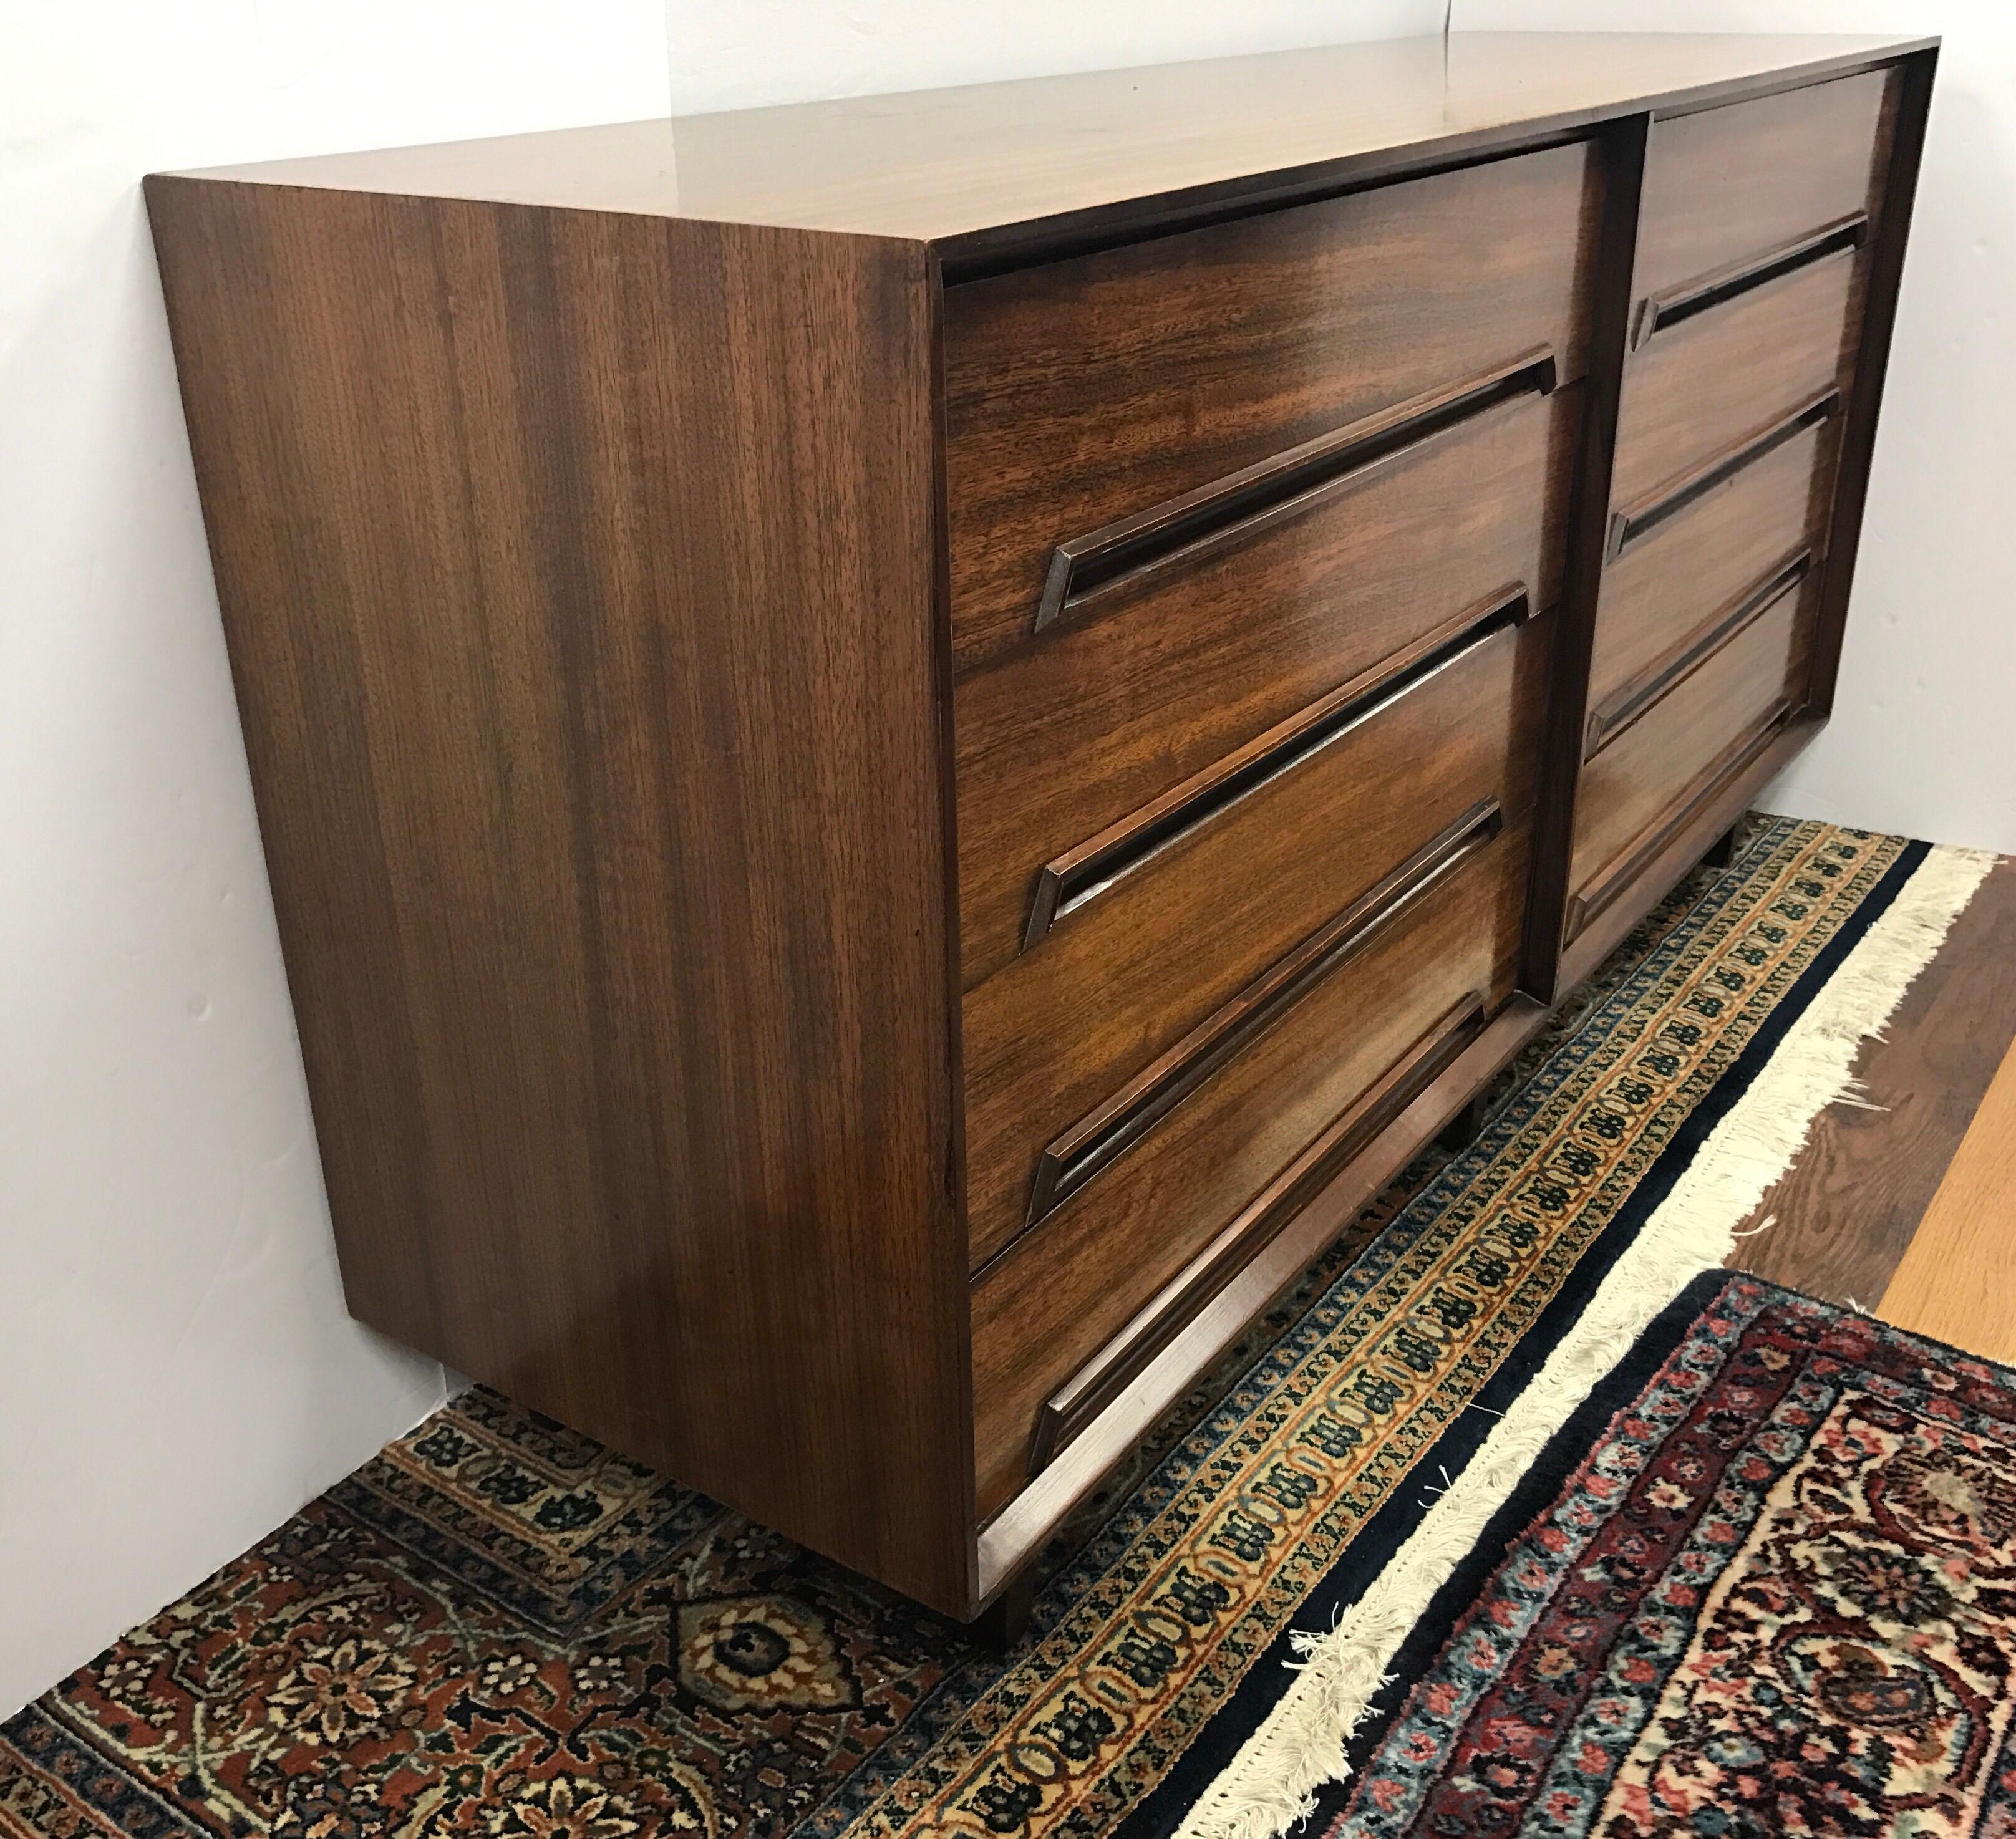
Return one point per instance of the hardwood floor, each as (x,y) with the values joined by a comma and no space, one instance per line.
(1904,1201)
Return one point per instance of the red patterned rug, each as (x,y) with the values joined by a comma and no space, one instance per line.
(1763,1583)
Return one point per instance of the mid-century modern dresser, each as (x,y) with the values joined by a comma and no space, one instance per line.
(905,746)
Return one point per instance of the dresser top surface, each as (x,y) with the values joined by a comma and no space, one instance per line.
(991,167)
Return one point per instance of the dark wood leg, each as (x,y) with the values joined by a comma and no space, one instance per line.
(999,1628)
(1721,852)
(1464,1129)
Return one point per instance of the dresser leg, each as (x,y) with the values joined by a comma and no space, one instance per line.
(1465,1127)
(1721,851)
(999,1628)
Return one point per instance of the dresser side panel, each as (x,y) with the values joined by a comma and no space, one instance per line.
(579,573)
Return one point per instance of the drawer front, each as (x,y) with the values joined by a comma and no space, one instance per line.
(1711,722)
(1731,189)
(1672,589)
(1169,670)
(1164,926)
(1697,398)
(1340,1062)
(1086,392)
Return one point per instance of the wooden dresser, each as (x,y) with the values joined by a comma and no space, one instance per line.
(905,745)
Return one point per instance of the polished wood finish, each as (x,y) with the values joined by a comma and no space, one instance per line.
(1676,581)
(565,826)
(1057,1036)
(1062,1291)
(1840,1221)
(905,746)
(1728,187)
(1059,740)
(1670,760)
(1081,393)
(1715,390)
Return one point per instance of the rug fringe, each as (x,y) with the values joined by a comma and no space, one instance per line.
(1271,1785)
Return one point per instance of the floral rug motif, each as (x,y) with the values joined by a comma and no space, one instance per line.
(1775,1594)
(498,1627)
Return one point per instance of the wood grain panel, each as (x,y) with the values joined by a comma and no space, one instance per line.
(1714,382)
(1646,779)
(1062,1291)
(1842,1216)
(577,572)
(1955,1284)
(1123,979)
(1061,738)
(1725,185)
(1670,585)
(1080,392)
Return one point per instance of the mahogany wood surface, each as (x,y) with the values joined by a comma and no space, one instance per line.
(1081,391)
(1009,171)
(1842,1217)
(581,849)
(904,744)
(1673,583)
(1116,984)
(1715,384)
(1723,186)
(1162,678)
(1635,786)
(1063,1290)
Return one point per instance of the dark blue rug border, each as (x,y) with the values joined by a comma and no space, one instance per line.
(1158,1814)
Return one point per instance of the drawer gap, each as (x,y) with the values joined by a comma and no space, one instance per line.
(1638,698)
(1243,503)
(1117,1365)
(1627,525)
(1069,882)
(1100,1138)
(1678,304)
(1725,767)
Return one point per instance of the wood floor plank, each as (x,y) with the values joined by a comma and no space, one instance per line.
(1957,1281)
(1845,1212)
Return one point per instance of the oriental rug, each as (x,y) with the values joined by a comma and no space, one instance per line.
(1763,1582)
(496,1627)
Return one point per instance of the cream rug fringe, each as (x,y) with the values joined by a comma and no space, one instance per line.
(1271,1784)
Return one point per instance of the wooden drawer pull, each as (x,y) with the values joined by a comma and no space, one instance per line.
(1116,1365)
(1065,884)
(1635,698)
(1103,1135)
(1628,525)
(1243,503)
(1677,305)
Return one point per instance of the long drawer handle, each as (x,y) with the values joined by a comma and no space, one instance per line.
(1121,1361)
(1066,883)
(1628,525)
(1677,305)
(1103,1135)
(1243,502)
(1650,688)
(1725,766)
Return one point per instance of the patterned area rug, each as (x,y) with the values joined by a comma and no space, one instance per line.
(1764,1582)
(499,1628)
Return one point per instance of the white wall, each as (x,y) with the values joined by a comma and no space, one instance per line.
(1923,737)
(731,54)
(177,1374)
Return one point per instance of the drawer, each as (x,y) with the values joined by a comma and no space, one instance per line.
(1168,670)
(1709,724)
(1734,192)
(1679,583)
(1164,922)
(1086,392)
(1696,399)
(1064,1308)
